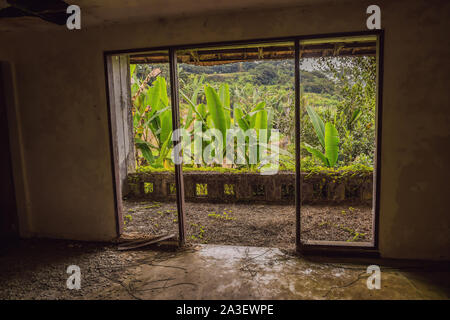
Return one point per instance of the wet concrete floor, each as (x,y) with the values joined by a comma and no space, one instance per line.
(236,272)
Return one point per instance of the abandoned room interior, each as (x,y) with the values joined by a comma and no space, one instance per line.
(251,149)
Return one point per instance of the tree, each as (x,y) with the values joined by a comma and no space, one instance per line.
(264,74)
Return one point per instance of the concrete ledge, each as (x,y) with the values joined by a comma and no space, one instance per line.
(252,187)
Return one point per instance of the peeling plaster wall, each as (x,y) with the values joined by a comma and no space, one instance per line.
(62,102)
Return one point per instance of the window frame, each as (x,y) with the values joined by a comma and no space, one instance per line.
(322,247)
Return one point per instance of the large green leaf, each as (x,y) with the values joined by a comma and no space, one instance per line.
(150,99)
(318,125)
(224,95)
(165,149)
(156,115)
(189,119)
(198,88)
(239,118)
(145,150)
(194,108)
(260,124)
(252,114)
(156,96)
(132,69)
(202,111)
(163,91)
(315,152)
(166,125)
(216,111)
(331,144)
(261,120)
(154,126)
(269,123)
(209,122)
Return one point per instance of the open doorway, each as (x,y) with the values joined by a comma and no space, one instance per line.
(208,90)
(237,101)
(141,122)
(246,95)
(339,126)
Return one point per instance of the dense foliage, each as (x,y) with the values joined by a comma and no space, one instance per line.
(338,98)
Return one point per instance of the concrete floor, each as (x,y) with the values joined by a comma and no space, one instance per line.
(233,272)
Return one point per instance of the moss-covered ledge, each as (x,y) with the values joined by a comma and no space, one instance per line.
(321,185)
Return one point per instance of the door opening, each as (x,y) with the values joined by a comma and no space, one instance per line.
(327,143)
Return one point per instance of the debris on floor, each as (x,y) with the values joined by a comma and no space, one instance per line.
(143,243)
(251,224)
(37,269)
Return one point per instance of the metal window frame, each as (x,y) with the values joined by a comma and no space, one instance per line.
(327,248)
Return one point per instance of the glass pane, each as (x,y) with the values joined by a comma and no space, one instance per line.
(150,209)
(338,80)
(237,108)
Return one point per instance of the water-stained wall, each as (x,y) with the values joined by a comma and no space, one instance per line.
(61,90)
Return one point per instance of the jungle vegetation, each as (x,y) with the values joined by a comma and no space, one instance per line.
(337,109)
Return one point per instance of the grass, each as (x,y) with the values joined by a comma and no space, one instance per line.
(344,170)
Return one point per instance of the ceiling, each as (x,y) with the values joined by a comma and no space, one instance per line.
(208,56)
(101,12)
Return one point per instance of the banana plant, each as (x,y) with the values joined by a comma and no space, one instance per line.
(195,88)
(217,114)
(152,118)
(256,119)
(152,122)
(328,138)
(218,109)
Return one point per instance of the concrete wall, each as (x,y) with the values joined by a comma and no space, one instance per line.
(248,187)
(64,120)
